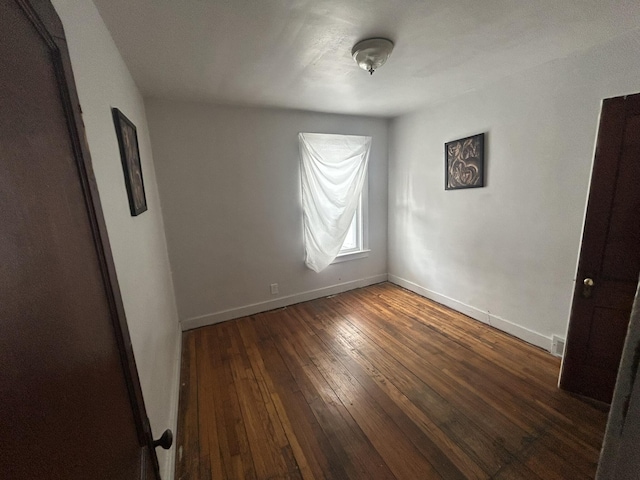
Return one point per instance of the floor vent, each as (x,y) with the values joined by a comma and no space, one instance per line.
(557,346)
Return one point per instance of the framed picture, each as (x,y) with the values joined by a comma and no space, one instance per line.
(130,155)
(464,163)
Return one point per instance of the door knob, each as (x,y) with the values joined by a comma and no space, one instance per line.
(165,441)
(587,288)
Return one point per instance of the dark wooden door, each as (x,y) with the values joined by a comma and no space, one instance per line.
(610,255)
(70,400)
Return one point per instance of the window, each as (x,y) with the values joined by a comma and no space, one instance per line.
(355,243)
(334,197)
(352,240)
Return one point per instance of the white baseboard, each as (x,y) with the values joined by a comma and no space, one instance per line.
(511,328)
(170,462)
(252,309)
(495,321)
(468,310)
(522,333)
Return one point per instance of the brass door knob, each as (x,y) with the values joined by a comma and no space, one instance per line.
(588,282)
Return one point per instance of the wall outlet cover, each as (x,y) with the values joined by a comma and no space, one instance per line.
(557,346)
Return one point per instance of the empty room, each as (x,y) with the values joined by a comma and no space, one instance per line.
(319,239)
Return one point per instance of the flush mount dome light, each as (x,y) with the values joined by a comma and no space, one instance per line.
(371,54)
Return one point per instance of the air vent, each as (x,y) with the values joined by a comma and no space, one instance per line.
(557,346)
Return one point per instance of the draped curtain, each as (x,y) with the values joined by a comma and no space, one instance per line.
(333,169)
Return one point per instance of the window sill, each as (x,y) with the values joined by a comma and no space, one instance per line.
(345,257)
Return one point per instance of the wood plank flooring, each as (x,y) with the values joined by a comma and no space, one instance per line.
(376,383)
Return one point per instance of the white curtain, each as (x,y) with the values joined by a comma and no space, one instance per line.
(334,169)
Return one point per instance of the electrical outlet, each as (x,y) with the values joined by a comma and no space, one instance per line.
(557,346)
(274,289)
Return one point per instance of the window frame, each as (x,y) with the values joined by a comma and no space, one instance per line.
(362,228)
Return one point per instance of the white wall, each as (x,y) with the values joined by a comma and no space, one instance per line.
(138,243)
(507,253)
(230,185)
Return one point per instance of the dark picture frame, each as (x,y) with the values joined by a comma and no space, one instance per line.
(130,155)
(464,163)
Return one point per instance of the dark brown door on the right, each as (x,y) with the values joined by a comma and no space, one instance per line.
(609,258)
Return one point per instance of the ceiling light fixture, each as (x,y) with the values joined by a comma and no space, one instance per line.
(370,54)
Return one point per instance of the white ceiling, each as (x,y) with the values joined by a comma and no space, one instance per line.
(297,53)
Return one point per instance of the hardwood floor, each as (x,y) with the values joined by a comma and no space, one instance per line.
(376,383)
